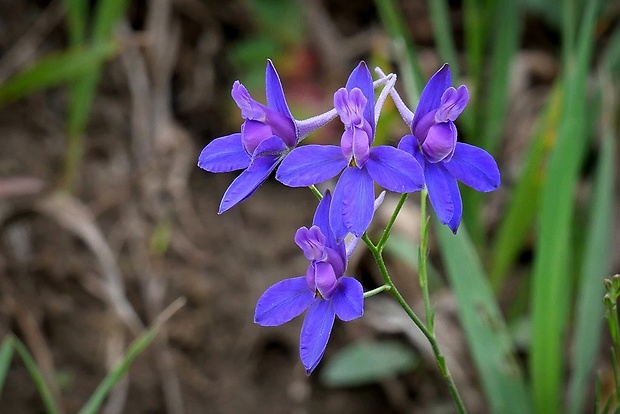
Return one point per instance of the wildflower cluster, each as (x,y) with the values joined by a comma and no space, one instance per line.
(430,157)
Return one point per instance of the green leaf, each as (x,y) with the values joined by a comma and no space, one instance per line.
(6,354)
(55,69)
(37,377)
(525,198)
(364,363)
(596,265)
(488,337)
(551,279)
(94,403)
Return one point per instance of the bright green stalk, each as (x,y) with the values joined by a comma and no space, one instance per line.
(552,266)
(440,17)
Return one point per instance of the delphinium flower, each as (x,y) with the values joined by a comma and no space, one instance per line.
(361,165)
(323,291)
(434,144)
(267,135)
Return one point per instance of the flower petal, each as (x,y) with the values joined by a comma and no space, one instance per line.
(453,102)
(250,108)
(440,142)
(265,159)
(224,154)
(458,206)
(348,299)
(475,167)
(275,92)
(312,242)
(362,79)
(324,277)
(439,182)
(352,205)
(311,164)
(315,333)
(430,99)
(253,133)
(395,169)
(283,301)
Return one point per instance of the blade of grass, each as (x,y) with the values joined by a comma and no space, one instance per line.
(55,69)
(505,41)
(138,346)
(94,403)
(524,201)
(406,55)
(596,264)
(37,377)
(77,18)
(551,273)
(440,17)
(488,338)
(6,354)
(82,90)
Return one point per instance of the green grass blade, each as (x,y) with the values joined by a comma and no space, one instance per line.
(523,204)
(392,20)
(552,267)
(440,17)
(55,69)
(505,41)
(77,19)
(94,403)
(596,265)
(490,343)
(107,16)
(6,354)
(37,377)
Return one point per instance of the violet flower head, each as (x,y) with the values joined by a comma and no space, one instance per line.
(434,144)
(323,291)
(268,134)
(361,165)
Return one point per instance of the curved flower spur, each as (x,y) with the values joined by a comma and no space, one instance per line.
(434,144)
(361,165)
(267,135)
(324,291)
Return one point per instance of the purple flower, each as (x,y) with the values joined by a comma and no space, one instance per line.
(267,136)
(361,165)
(324,291)
(444,160)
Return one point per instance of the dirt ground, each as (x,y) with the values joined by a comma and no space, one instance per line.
(82,274)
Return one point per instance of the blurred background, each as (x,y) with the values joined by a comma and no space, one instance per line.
(105,220)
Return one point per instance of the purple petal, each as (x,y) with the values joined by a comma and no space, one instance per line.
(311,164)
(430,99)
(312,242)
(453,102)
(352,205)
(395,169)
(409,144)
(282,126)
(250,108)
(224,154)
(253,133)
(336,252)
(348,299)
(362,79)
(283,301)
(440,142)
(265,159)
(440,184)
(475,167)
(458,206)
(321,215)
(315,333)
(274,91)
(323,277)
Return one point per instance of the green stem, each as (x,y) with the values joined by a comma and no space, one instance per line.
(422,256)
(376,291)
(441,362)
(388,228)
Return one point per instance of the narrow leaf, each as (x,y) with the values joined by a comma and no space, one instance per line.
(6,354)
(490,343)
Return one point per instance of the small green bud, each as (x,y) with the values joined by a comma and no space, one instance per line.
(615,282)
(608,285)
(608,301)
